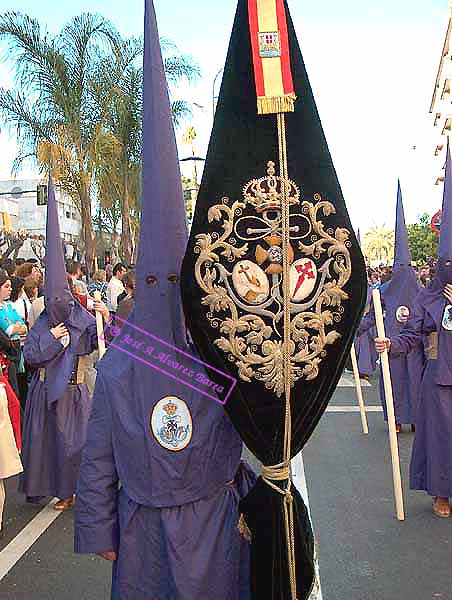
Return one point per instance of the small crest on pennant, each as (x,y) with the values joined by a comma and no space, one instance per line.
(303,277)
(251,282)
(171,423)
(269,44)
(447,318)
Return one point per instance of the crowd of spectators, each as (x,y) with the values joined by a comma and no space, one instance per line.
(22,301)
(379,275)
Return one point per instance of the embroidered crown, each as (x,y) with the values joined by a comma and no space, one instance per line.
(170,408)
(266,193)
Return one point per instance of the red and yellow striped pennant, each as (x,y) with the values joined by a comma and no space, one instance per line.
(271,57)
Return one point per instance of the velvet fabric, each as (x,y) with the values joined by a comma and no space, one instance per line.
(241,145)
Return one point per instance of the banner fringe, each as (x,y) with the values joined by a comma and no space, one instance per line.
(278,104)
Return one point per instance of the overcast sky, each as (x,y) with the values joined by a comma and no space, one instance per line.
(372,67)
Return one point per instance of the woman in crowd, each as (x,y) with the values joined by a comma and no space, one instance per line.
(19,300)
(10,440)
(15,328)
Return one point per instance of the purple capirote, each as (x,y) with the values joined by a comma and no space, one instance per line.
(168,499)
(401,290)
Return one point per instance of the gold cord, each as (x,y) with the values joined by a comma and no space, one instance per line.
(281,471)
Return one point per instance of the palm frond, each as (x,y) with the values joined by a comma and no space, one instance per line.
(179,68)
(181,111)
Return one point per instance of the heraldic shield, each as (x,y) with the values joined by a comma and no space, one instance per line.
(273,279)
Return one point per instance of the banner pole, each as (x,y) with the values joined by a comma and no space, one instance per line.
(390,408)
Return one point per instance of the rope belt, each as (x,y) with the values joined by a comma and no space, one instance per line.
(78,372)
(432,350)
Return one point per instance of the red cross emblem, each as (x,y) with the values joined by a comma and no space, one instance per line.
(304,272)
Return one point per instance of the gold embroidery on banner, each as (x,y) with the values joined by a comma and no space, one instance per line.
(251,334)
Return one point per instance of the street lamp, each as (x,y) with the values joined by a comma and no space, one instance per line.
(213,92)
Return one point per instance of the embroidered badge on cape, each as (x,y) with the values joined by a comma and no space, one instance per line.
(447,318)
(402,314)
(171,423)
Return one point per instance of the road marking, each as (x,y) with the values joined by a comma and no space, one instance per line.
(353,409)
(299,479)
(17,547)
(348,380)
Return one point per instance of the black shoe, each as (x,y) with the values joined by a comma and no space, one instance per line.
(34,499)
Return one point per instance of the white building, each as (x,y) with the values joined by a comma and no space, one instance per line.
(441,107)
(20,210)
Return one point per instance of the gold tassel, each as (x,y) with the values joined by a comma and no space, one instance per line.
(277,104)
(244,529)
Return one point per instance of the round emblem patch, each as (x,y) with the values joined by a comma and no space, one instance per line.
(171,423)
(402,314)
(303,277)
(251,282)
(447,318)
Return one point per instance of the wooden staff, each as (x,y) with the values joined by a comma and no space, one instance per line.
(359,390)
(100,327)
(390,409)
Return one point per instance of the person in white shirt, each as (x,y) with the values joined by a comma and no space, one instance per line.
(115,287)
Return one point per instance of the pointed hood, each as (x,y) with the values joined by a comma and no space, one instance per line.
(403,287)
(445,237)
(60,306)
(402,255)
(57,295)
(158,305)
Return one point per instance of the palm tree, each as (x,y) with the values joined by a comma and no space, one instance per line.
(77,109)
(119,179)
(57,110)
(378,244)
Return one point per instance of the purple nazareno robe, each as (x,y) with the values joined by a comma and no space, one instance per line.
(431,461)
(54,431)
(161,476)
(398,296)
(366,354)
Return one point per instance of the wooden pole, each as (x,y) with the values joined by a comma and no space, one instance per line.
(390,409)
(100,327)
(359,390)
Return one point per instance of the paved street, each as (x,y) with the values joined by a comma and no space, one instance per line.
(365,553)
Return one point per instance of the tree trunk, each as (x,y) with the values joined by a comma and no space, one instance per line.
(88,229)
(126,230)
